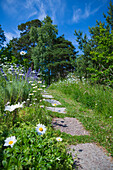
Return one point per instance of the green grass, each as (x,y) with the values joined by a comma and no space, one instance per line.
(92,106)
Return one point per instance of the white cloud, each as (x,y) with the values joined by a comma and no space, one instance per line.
(9,35)
(23,10)
(32,14)
(77,14)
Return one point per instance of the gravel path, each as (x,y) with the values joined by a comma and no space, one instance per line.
(69,125)
(57,109)
(90,157)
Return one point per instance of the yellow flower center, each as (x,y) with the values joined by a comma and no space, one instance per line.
(41,129)
(10,142)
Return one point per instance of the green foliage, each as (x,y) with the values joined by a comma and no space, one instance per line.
(24,43)
(45,39)
(102,57)
(95,97)
(55,56)
(2,37)
(32,151)
(96,62)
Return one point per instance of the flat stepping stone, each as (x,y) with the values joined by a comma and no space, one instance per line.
(70,126)
(53,101)
(57,109)
(90,156)
(47,96)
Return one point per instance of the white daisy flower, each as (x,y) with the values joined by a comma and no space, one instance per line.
(13,107)
(31,94)
(54,104)
(35,87)
(41,106)
(28,99)
(43,86)
(43,99)
(34,91)
(10,141)
(22,53)
(7,103)
(59,139)
(39,81)
(41,129)
(33,84)
(39,89)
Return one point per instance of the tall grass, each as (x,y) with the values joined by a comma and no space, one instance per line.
(96,97)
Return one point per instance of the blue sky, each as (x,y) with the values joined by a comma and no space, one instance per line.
(68,15)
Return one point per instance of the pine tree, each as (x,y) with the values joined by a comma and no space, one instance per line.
(24,43)
(2,37)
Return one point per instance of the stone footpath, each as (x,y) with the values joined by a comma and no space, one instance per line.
(89,155)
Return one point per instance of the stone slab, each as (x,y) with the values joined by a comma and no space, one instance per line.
(90,157)
(53,101)
(70,126)
(57,109)
(47,96)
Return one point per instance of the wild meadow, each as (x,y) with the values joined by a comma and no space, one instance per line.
(27,140)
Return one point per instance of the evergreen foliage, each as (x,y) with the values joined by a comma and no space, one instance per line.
(2,37)
(23,43)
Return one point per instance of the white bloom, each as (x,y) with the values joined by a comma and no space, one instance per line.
(30,105)
(39,81)
(28,99)
(34,91)
(10,141)
(41,106)
(21,74)
(30,94)
(43,99)
(22,53)
(41,129)
(13,107)
(54,104)
(39,89)
(59,139)
(32,84)
(7,103)
(35,87)
(43,86)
